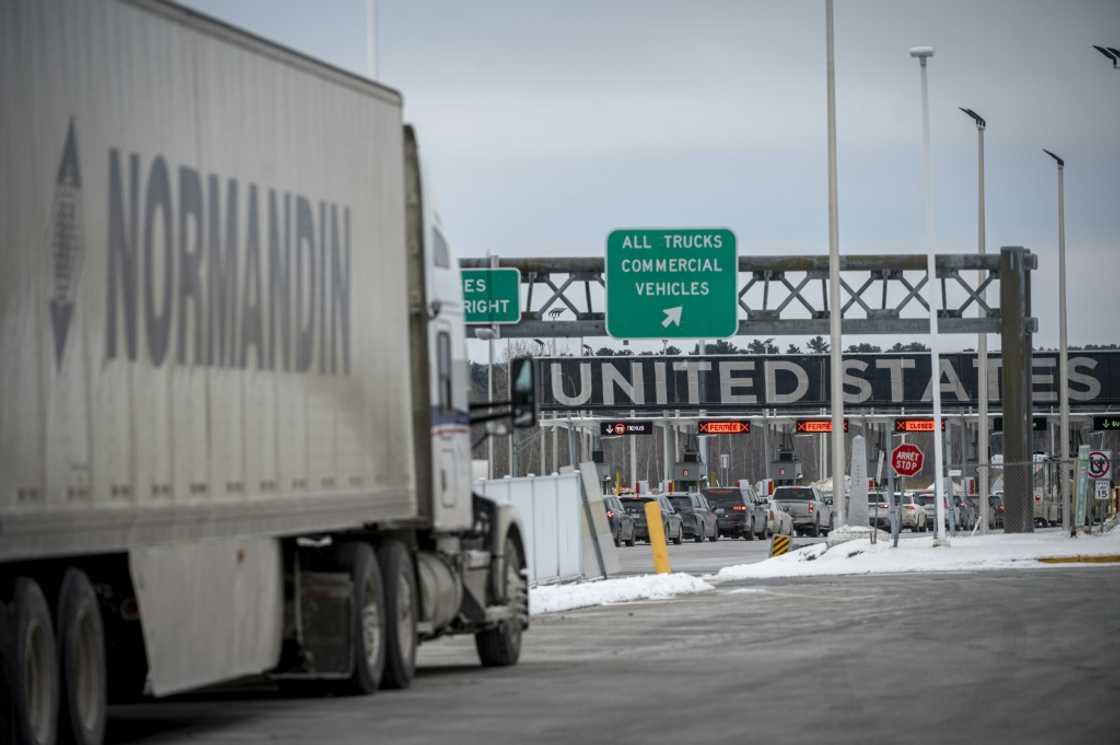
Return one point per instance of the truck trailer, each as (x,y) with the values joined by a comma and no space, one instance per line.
(235,436)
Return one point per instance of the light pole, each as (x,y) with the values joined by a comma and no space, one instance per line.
(839,498)
(982,458)
(922,54)
(509,396)
(488,334)
(1063,349)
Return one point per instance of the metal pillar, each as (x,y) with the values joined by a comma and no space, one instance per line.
(510,440)
(544,440)
(1015,308)
(555,451)
(765,445)
(983,460)
(835,299)
(668,465)
(1063,356)
(633,461)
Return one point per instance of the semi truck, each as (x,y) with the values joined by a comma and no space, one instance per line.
(235,435)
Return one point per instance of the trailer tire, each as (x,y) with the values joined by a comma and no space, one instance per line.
(81,648)
(500,646)
(367,618)
(399,575)
(32,666)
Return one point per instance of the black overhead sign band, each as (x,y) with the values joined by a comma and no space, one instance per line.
(614,429)
(738,383)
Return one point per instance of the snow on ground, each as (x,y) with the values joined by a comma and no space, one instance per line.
(553,598)
(994,551)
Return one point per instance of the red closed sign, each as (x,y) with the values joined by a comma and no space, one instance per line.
(907,459)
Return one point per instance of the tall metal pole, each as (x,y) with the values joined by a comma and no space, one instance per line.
(633,460)
(509,397)
(923,54)
(490,397)
(490,334)
(982,458)
(837,382)
(1063,347)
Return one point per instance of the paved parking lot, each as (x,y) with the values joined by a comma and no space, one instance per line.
(1017,657)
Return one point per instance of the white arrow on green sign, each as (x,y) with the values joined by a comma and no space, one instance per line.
(672,283)
(492,295)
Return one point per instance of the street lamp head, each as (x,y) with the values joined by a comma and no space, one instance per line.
(980,123)
(1061,163)
(1109,52)
(485,334)
(921,53)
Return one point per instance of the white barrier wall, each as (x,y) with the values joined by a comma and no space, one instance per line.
(551,512)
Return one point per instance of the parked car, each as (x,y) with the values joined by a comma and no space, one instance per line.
(974,500)
(672,523)
(913,515)
(778,519)
(996,503)
(622,524)
(737,515)
(929,504)
(700,523)
(810,513)
(966,516)
(878,510)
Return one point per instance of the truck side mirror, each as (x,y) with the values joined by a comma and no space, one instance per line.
(523,393)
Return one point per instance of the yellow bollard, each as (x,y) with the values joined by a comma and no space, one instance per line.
(779,545)
(657,538)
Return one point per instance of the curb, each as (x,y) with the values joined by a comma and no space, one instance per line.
(1101,559)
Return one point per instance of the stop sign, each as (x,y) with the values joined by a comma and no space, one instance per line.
(907,459)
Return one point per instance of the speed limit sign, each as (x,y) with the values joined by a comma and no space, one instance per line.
(1100,465)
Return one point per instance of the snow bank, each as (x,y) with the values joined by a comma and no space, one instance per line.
(553,598)
(996,551)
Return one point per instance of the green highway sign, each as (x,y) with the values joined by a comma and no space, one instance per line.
(672,283)
(492,295)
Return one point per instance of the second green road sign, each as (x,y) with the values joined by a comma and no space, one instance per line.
(672,283)
(492,295)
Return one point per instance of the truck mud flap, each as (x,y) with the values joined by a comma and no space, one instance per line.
(325,651)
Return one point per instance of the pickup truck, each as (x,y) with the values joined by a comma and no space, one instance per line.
(805,504)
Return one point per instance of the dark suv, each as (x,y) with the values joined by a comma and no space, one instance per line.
(622,525)
(671,522)
(736,516)
(699,520)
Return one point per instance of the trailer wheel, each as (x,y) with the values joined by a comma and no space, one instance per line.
(400,615)
(81,647)
(501,646)
(32,663)
(367,618)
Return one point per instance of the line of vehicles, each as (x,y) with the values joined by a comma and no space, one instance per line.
(804,510)
(705,515)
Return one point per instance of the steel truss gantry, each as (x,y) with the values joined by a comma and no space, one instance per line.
(881,294)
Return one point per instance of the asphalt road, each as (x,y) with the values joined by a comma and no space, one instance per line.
(1028,656)
(701,558)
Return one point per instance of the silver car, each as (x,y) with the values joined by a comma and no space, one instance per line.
(807,507)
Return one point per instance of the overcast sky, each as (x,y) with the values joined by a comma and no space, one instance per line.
(547,124)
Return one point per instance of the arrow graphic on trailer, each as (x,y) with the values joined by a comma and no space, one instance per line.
(672,316)
(64,241)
